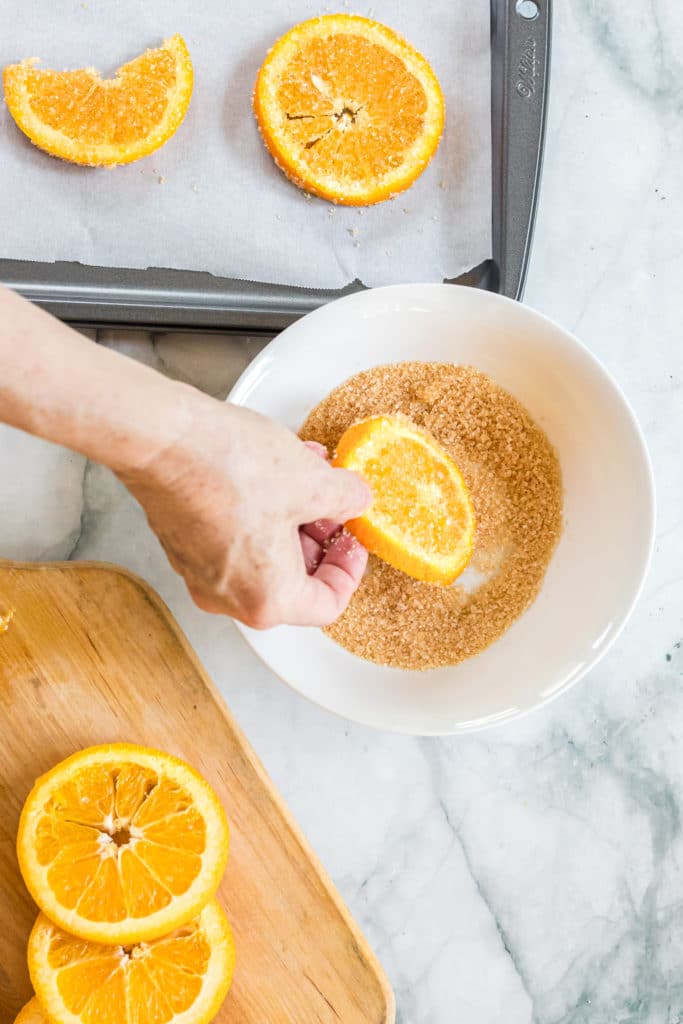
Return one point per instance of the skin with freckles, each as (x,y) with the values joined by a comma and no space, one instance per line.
(248,514)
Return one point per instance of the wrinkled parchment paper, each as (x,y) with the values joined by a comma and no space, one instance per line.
(211,199)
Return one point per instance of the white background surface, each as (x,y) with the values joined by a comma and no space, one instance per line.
(532,874)
(223,206)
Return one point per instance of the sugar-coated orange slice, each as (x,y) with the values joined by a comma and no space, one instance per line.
(80,117)
(348,109)
(421,519)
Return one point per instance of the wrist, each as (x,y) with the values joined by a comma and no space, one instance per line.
(149,426)
(109,408)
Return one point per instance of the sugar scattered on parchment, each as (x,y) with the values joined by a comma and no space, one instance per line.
(514,478)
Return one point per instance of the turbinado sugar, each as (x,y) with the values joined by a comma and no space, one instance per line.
(514,477)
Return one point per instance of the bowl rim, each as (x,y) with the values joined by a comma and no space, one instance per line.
(253,371)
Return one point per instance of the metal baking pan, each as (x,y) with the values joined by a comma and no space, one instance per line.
(168,299)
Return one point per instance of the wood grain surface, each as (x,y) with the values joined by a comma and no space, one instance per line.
(92,655)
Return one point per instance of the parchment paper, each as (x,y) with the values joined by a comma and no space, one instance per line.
(211,199)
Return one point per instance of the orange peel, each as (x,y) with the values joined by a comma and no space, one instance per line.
(348,109)
(120,843)
(85,119)
(421,519)
(180,978)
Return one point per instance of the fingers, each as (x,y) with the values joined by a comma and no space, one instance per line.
(317,449)
(345,496)
(312,551)
(315,538)
(325,594)
(273,589)
(321,530)
(317,599)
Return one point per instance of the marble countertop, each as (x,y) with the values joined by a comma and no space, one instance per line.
(533,873)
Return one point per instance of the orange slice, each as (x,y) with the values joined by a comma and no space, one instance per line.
(181,978)
(121,844)
(32,1013)
(6,616)
(78,116)
(348,109)
(421,519)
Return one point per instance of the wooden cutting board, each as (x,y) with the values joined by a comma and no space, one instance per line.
(92,655)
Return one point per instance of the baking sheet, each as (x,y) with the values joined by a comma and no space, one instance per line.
(212,199)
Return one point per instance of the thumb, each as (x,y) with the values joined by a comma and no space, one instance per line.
(346,496)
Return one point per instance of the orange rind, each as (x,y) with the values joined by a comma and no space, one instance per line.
(181,978)
(32,1013)
(85,119)
(121,844)
(421,519)
(348,109)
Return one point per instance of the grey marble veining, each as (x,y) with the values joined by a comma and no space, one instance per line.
(532,874)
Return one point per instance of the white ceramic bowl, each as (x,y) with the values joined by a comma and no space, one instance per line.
(599,566)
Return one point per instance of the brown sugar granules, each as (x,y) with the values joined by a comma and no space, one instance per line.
(514,478)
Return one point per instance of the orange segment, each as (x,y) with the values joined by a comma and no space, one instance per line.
(78,116)
(32,1013)
(181,978)
(120,843)
(421,519)
(348,109)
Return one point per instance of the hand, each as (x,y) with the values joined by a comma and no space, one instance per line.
(251,517)
(247,514)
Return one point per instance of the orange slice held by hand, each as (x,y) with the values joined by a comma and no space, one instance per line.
(421,519)
(181,978)
(121,844)
(78,116)
(348,109)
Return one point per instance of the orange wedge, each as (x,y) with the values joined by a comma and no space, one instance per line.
(32,1013)
(6,616)
(121,844)
(348,109)
(421,519)
(78,116)
(181,978)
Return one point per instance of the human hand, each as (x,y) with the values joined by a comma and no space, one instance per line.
(247,513)
(250,516)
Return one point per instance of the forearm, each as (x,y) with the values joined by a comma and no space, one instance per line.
(60,386)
